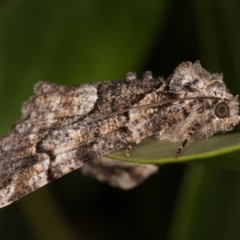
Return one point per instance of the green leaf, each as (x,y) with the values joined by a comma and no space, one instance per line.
(221,151)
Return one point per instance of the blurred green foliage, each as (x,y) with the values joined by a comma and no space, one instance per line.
(71,42)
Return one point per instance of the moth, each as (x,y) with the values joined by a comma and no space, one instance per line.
(63,128)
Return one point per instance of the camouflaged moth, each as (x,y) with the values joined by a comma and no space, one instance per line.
(63,128)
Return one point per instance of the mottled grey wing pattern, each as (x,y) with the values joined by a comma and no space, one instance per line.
(62,128)
(58,132)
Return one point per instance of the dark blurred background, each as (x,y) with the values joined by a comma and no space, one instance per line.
(73,42)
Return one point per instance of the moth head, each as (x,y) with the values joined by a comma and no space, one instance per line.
(225,114)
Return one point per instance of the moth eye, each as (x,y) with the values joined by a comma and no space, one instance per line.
(222,110)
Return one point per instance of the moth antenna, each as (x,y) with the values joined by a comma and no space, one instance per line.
(153,105)
(126,109)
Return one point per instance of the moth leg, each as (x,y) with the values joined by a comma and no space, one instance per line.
(181,148)
(189,136)
(129,147)
(127,152)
